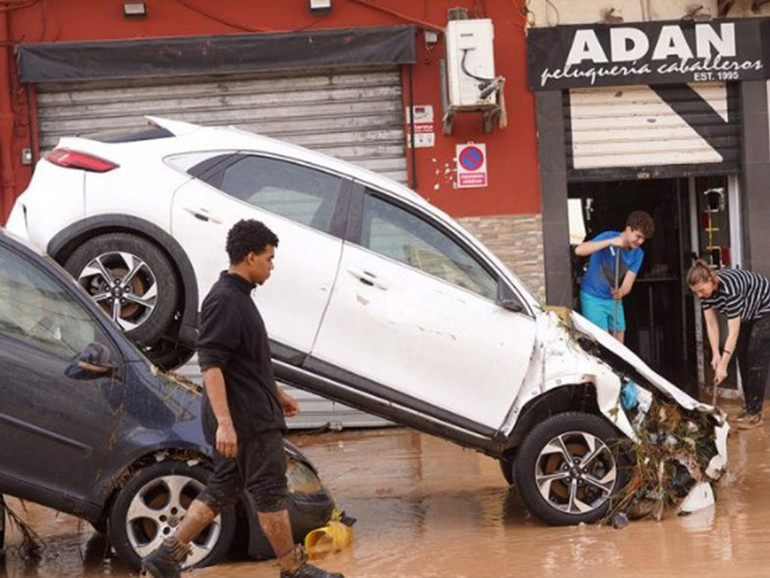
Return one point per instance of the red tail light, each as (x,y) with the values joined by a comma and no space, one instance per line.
(70,159)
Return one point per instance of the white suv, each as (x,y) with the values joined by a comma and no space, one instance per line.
(378,299)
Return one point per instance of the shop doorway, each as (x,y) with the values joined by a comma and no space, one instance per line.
(659,311)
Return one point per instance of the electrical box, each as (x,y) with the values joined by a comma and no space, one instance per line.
(470,63)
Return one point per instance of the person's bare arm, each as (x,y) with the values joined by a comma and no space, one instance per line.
(226,439)
(625,287)
(712,331)
(733,330)
(591,247)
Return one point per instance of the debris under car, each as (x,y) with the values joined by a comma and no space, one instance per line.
(676,447)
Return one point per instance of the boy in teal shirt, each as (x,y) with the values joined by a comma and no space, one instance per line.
(598,295)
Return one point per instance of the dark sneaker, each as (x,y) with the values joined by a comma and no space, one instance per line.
(166,561)
(306,570)
(751,420)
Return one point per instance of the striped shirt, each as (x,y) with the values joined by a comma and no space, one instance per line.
(740,293)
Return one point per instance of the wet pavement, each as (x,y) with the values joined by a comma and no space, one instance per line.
(426,507)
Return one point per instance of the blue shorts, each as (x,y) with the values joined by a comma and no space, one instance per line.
(601,312)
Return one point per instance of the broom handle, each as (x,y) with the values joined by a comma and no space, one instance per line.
(617,285)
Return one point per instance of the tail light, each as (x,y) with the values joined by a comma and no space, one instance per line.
(70,159)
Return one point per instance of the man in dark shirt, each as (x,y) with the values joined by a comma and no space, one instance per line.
(243,411)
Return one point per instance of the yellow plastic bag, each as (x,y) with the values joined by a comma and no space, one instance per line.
(331,538)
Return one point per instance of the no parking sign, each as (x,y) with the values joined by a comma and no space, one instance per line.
(471,166)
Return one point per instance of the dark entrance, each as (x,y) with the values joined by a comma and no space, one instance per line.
(659,310)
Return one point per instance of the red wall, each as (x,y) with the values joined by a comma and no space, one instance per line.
(512,161)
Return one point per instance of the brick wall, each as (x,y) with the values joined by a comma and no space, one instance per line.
(517,240)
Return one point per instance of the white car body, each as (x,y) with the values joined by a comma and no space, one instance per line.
(423,351)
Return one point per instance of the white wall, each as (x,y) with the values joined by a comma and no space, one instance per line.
(555,12)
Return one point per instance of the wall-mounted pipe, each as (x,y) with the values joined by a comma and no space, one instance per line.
(7,177)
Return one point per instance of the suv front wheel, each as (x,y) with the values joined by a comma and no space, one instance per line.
(569,467)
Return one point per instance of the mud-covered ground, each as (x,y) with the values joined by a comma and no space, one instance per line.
(426,507)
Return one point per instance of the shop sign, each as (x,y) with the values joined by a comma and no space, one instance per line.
(471,166)
(647,53)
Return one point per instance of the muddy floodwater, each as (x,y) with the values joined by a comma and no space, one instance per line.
(426,507)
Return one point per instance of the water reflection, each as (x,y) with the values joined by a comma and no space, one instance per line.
(428,508)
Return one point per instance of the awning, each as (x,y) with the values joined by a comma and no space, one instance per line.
(195,55)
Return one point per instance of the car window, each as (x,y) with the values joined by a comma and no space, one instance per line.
(400,235)
(299,193)
(38,310)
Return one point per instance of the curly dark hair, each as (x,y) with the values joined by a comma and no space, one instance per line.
(642,222)
(248,235)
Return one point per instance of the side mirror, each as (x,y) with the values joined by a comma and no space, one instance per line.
(507,299)
(94,361)
(511,305)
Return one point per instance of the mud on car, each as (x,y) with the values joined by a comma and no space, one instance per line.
(379,300)
(89,427)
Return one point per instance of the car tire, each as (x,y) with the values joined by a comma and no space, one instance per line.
(153,503)
(101,264)
(506,467)
(168,355)
(569,467)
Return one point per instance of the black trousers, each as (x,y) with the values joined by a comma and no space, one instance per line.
(753,353)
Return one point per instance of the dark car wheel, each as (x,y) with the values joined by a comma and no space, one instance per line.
(150,507)
(168,355)
(132,280)
(506,468)
(568,468)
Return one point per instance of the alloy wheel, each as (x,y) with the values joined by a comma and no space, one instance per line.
(158,508)
(576,472)
(123,285)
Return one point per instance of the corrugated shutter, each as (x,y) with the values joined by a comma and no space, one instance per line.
(316,412)
(639,126)
(353,115)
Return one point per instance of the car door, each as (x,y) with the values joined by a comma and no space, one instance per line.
(301,204)
(414,318)
(55,426)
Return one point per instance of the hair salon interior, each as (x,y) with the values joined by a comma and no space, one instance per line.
(574,113)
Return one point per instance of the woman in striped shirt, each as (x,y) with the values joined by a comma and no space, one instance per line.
(744,298)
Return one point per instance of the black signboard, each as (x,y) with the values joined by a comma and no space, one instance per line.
(648,53)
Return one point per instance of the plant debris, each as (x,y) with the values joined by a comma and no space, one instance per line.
(673,453)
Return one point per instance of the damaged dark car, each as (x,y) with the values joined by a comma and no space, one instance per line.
(90,428)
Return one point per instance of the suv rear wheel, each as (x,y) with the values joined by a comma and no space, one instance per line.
(132,280)
(569,467)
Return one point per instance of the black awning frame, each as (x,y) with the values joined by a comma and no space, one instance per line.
(226,54)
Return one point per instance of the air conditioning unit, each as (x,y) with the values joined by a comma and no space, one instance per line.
(470,63)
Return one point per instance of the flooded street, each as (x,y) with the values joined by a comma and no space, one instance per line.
(426,507)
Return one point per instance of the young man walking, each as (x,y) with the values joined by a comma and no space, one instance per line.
(243,411)
(615,260)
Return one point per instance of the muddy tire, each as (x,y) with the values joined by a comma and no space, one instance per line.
(153,503)
(132,280)
(569,467)
(506,468)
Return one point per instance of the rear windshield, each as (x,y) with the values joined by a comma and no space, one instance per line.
(134,136)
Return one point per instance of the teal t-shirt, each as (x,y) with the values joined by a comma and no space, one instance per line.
(599,278)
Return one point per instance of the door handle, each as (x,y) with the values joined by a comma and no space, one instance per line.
(203,215)
(369,279)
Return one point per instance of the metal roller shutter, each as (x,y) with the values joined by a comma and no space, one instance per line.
(646,126)
(353,115)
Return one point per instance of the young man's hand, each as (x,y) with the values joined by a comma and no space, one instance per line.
(288,403)
(227,440)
